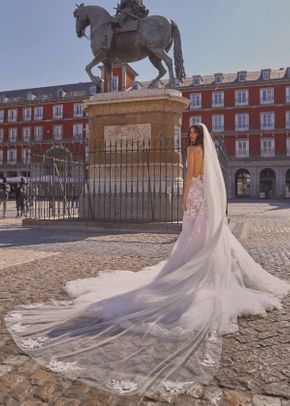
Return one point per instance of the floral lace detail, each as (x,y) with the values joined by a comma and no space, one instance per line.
(123,386)
(59,366)
(176,387)
(208,361)
(18,328)
(13,316)
(33,342)
(195,200)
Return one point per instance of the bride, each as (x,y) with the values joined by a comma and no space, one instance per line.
(160,329)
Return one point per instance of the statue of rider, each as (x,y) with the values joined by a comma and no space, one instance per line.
(126,9)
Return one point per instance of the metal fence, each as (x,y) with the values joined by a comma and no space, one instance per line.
(125,181)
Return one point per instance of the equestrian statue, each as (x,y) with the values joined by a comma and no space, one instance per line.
(130,36)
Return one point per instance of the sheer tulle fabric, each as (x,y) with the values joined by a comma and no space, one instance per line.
(158,329)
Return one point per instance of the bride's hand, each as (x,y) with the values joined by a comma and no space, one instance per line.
(183,204)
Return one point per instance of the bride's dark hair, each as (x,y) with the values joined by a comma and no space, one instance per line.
(199,139)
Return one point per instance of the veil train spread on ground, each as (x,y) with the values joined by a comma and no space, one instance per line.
(158,329)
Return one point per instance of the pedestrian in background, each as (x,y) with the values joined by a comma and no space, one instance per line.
(4,194)
(21,196)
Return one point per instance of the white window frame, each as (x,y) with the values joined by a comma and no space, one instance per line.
(195,97)
(14,153)
(38,133)
(266,127)
(242,92)
(287,94)
(219,128)
(115,83)
(269,151)
(219,103)
(287,120)
(1,116)
(57,132)
(267,100)
(27,114)
(26,134)
(1,156)
(12,135)
(195,120)
(38,113)
(12,115)
(58,111)
(243,127)
(266,75)
(288,146)
(1,135)
(78,110)
(242,76)
(78,131)
(26,155)
(242,148)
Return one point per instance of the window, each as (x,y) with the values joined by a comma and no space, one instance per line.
(58,111)
(57,132)
(242,76)
(12,134)
(136,86)
(242,148)
(218,78)
(267,121)
(38,113)
(78,131)
(218,123)
(93,90)
(265,74)
(241,97)
(266,96)
(27,114)
(11,156)
(195,101)
(288,146)
(1,116)
(217,99)
(194,120)
(115,83)
(38,134)
(1,135)
(287,120)
(1,157)
(30,96)
(196,80)
(267,147)
(287,94)
(78,110)
(12,115)
(26,154)
(242,122)
(26,134)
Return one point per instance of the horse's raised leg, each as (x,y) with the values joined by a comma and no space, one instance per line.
(161,54)
(109,75)
(158,65)
(95,79)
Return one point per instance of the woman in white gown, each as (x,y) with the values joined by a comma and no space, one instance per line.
(158,329)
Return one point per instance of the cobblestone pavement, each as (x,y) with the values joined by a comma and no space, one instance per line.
(36,263)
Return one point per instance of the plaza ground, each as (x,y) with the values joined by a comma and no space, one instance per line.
(36,263)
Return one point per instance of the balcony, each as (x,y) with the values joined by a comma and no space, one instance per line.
(266,153)
(242,153)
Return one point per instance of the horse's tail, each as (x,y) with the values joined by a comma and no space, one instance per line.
(177,50)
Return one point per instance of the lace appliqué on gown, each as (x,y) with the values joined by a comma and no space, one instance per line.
(195,201)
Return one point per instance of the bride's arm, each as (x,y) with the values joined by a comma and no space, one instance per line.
(188,176)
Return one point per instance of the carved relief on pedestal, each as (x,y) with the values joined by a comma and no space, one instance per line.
(127,137)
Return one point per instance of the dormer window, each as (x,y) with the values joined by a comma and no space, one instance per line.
(196,80)
(3,98)
(287,73)
(242,76)
(135,86)
(30,96)
(265,74)
(218,78)
(61,93)
(93,90)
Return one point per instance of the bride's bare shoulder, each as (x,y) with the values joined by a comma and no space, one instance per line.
(195,149)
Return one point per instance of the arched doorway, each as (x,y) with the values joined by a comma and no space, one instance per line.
(242,183)
(287,183)
(268,183)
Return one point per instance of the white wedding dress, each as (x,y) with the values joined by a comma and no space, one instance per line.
(158,329)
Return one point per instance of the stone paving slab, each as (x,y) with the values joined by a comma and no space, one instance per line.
(255,363)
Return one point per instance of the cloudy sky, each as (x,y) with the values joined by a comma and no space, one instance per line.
(38,45)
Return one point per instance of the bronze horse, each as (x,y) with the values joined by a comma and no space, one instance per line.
(153,39)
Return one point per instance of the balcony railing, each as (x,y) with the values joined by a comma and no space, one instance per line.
(242,153)
(267,152)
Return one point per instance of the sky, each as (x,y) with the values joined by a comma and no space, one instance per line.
(39,46)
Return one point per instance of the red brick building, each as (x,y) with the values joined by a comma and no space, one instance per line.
(248,113)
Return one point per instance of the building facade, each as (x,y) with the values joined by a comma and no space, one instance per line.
(248,113)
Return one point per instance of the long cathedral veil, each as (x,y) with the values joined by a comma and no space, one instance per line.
(158,329)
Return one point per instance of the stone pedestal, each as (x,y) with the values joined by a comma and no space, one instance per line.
(135,140)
